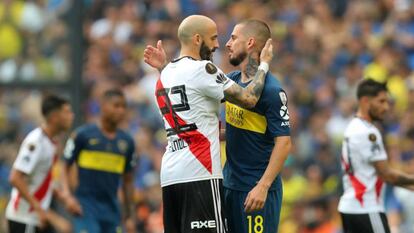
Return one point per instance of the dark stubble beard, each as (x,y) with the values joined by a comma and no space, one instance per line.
(205,52)
(374,115)
(235,61)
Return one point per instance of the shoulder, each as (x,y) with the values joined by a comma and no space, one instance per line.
(208,67)
(362,130)
(272,84)
(273,90)
(85,130)
(34,136)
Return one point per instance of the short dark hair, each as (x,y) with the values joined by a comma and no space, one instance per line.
(114,92)
(370,88)
(51,103)
(258,29)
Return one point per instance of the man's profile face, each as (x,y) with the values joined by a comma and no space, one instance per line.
(209,44)
(237,46)
(378,106)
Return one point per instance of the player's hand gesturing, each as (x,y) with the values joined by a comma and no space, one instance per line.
(267,52)
(155,57)
(256,198)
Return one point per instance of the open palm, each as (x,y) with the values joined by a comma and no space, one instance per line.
(155,56)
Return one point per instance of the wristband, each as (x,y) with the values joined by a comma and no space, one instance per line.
(263,66)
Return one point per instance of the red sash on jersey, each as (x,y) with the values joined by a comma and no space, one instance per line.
(43,188)
(199,145)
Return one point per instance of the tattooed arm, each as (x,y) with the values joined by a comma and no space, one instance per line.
(248,97)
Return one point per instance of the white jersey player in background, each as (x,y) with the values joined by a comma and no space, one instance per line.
(189,93)
(31,175)
(364,160)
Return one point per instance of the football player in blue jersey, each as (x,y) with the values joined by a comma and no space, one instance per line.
(103,155)
(257,139)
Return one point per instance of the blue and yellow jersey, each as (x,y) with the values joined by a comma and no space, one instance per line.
(250,135)
(101,162)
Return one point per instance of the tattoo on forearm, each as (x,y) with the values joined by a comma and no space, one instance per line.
(248,96)
(259,83)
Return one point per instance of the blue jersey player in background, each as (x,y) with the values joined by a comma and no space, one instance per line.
(257,140)
(103,155)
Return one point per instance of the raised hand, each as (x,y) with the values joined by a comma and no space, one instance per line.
(267,52)
(155,57)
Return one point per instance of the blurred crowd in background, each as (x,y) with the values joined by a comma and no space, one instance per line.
(323,48)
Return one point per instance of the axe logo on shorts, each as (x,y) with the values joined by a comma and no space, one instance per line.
(203,224)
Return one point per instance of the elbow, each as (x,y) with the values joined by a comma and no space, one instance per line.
(288,145)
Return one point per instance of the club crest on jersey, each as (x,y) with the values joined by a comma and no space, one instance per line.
(210,68)
(372,137)
(93,141)
(32,147)
(122,146)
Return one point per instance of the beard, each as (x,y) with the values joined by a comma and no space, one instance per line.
(235,61)
(374,115)
(206,53)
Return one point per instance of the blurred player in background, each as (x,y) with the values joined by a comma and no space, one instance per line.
(31,176)
(103,155)
(257,139)
(365,165)
(189,93)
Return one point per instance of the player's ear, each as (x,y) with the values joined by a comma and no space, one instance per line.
(197,40)
(251,42)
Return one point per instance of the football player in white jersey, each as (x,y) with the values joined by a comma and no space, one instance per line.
(189,93)
(31,175)
(364,161)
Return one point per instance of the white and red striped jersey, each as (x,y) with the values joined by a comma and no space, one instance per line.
(189,93)
(363,189)
(36,157)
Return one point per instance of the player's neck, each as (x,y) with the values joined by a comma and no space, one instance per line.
(108,129)
(50,131)
(187,52)
(249,67)
(363,115)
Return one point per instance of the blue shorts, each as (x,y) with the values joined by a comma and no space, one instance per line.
(265,220)
(93,225)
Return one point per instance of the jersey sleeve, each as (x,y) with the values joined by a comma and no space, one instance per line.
(371,147)
(28,157)
(73,148)
(277,114)
(212,81)
(130,157)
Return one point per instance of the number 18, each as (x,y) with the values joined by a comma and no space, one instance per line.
(257,227)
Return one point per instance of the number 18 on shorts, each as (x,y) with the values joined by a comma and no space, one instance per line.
(263,221)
